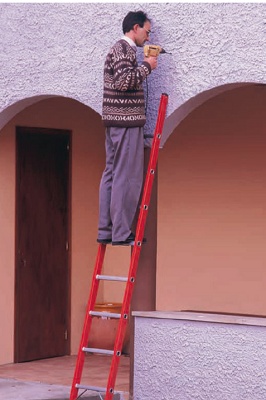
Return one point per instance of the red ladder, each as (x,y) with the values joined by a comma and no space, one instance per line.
(130,280)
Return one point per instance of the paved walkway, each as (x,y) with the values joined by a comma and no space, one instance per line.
(12,389)
(51,379)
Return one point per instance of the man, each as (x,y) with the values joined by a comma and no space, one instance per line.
(124,117)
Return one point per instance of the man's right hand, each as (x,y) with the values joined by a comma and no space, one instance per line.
(152,61)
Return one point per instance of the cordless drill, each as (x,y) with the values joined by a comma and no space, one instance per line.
(152,50)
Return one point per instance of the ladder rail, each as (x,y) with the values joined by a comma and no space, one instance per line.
(137,247)
(151,168)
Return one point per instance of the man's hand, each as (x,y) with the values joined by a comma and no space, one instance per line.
(152,61)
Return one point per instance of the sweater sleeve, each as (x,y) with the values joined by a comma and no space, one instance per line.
(127,75)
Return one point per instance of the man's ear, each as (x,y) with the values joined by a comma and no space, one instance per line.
(135,28)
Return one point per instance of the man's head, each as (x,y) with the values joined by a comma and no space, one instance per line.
(137,26)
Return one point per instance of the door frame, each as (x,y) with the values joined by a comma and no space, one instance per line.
(48,131)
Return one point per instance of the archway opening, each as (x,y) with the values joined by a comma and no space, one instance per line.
(212,213)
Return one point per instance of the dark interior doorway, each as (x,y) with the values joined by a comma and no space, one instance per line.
(42,244)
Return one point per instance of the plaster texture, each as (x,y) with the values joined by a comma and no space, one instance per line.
(59,50)
(185,359)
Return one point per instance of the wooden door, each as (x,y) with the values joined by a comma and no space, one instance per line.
(42,259)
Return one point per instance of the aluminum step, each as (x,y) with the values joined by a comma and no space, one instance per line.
(92,388)
(99,351)
(104,314)
(101,392)
(112,278)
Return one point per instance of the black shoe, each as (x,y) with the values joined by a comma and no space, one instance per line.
(130,241)
(104,241)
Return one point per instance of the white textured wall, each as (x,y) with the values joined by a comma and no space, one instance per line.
(185,360)
(59,49)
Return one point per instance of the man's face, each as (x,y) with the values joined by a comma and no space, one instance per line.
(142,33)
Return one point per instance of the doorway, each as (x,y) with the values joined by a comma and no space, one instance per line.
(42,300)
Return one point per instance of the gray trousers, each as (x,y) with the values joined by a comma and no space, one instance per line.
(121,182)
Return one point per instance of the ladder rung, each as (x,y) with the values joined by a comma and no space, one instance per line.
(99,351)
(104,314)
(93,388)
(112,278)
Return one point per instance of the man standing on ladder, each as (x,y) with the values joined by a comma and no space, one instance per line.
(124,117)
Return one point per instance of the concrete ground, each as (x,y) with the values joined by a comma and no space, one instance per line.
(51,379)
(13,389)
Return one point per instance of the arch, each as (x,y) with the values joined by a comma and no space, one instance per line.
(87,162)
(8,113)
(211,207)
(187,107)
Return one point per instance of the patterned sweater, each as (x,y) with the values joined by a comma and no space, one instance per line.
(123,97)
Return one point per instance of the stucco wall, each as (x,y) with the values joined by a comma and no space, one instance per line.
(51,50)
(178,359)
(59,49)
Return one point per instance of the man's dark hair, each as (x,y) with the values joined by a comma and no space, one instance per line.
(133,18)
